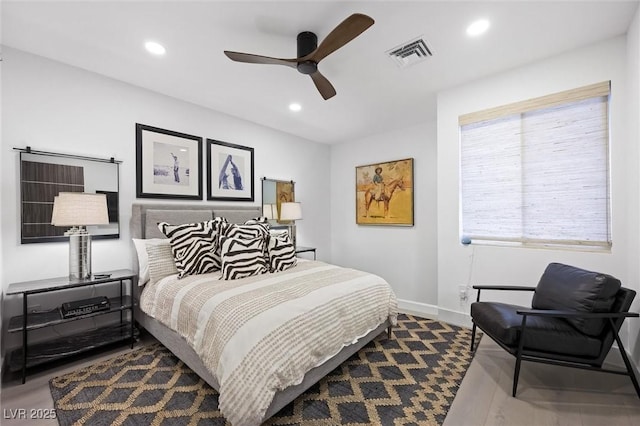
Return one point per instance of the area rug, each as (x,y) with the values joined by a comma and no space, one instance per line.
(410,379)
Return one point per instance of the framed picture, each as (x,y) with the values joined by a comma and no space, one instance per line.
(384,193)
(168,164)
(229,171)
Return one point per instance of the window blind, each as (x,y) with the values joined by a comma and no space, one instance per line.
(540,175)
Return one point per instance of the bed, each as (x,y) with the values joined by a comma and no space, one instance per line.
(166,324)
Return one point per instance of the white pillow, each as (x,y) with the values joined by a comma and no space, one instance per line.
(143,256)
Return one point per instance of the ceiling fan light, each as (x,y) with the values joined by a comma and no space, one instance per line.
(155,48)
(478,27)
(295,107)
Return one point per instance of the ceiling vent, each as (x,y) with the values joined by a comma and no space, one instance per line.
(410,53)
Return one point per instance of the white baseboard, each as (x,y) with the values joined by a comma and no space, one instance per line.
(425,310)
(418,309)
(460,319)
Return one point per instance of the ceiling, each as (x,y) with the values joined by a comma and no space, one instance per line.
(373,94)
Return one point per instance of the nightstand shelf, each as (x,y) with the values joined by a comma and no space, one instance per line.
(36,320)
(31,354)
(40,353)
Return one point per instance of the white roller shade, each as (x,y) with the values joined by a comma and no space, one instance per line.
(539,176)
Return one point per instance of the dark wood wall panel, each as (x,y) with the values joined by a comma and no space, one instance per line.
(47,172)
(40,183)
(37,192)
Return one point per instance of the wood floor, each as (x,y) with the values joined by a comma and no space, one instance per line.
(547,395)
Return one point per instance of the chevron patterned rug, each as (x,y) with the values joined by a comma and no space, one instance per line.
(408,380)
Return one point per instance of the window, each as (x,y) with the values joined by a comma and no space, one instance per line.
(537,172)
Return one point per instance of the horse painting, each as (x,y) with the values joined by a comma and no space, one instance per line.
(385,196)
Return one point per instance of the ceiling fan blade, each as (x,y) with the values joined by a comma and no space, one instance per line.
(322,84)
(257,59)
(346,31)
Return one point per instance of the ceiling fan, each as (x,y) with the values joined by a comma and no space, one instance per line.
(310,54)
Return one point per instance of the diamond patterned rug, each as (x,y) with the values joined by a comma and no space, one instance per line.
(410,379)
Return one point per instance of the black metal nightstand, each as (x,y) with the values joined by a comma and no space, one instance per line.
(302,249)
(34,354)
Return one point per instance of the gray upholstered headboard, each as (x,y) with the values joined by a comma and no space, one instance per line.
(145,217)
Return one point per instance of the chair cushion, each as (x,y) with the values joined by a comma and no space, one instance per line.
(566,287)
(544,334)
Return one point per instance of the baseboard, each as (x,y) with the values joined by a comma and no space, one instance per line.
(425,310)
(418,309)
(460,319)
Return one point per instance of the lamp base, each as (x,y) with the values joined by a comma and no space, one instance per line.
(292,233)
(79,256)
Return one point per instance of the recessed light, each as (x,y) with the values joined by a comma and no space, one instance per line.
(478,27)
(155,48)
(295,107)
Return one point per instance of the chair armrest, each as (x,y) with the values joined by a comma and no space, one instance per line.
(503,287)
(575,314)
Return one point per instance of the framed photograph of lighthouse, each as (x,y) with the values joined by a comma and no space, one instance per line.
(384,193)
(168,164)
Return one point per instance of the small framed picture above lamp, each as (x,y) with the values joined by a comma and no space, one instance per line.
(168,164)
(229,172)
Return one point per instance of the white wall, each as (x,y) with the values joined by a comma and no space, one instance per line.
(1,156)
(519,266)
(633,87)
(55,107)
(404,256)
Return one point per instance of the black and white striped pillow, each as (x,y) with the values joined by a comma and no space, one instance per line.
(282,253)
(194,246)
(242,258)
(251,229)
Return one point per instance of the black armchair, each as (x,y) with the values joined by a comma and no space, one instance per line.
(575,318)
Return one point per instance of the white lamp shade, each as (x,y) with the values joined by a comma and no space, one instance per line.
(79,209)
(270,211)
(290,211)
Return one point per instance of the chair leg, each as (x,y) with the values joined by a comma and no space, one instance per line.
(473,336)
(625,358)
(516,373)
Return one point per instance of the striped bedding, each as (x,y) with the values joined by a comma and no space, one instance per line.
(261,334)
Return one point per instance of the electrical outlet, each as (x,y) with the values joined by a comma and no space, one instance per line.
(462,292)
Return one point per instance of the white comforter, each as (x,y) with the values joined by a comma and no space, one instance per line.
(261,334)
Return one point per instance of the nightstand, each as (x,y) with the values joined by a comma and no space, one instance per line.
(63,346)
(302,249)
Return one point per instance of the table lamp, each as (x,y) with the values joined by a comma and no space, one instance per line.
(291,212)
(78,210)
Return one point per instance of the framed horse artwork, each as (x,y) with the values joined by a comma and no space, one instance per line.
(384,193)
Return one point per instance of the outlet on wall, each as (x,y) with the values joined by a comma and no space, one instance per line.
(463,293)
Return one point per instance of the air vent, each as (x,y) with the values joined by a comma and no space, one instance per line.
(410,53)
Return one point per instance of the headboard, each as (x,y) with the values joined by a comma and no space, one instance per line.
(145,217)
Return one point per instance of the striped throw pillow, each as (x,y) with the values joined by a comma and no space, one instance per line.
(282,254)
(160,260)
(249,230)
(194,246)
(242,258)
